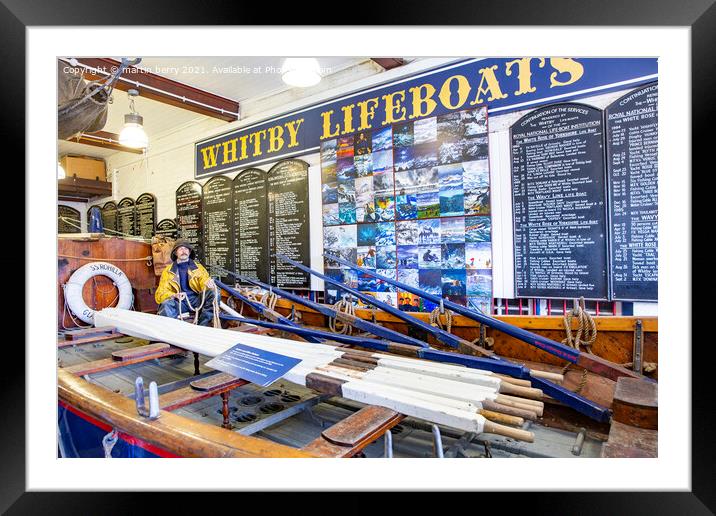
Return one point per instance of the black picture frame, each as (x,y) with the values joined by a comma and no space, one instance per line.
(699,16)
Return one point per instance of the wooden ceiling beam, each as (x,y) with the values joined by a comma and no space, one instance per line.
(389,63)
(161,89)
(104,140)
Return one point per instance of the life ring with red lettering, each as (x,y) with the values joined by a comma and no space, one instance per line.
(73,288)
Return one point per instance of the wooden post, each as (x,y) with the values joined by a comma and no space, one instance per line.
(225,409)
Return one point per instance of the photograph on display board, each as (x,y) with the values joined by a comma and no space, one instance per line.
(344,148)
(475,149)
(383,183)
(452,230)
(362,143)
(453,256)
(382,161)
(345,169)
(385,257)
(329,152)
(329,192)
(425,130)
(406,207)
(384,286)
(453,282)
(330,215)
(365,200)
(429,256)
(451,190)
(346,190)
(429,231)
(478,256)
(428,204)
(479,282)
(366,257)
(429,280)
(403,135)
(409,277)
(407,256)
(389,298)
(363,165)
(366,234)
(478,229)
(406,232)
(382,139)
(403,158)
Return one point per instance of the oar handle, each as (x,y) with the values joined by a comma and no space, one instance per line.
(518,390)
(553,377)
(522,406)
(514,433)
(510,379)
(514,411)
(501,418)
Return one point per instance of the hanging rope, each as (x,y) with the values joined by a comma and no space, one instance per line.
(108,442)
(435,319)
(216,321)
(588,328)
(148,259)
(268,299)
(344,306)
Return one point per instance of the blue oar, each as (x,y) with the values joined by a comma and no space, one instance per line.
(590,362)
(442,336)
(496,364)
(260,309)
(359,323)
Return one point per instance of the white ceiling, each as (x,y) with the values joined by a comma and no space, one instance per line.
(253,81)
(238,78)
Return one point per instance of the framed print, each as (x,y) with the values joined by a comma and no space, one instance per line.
(409,199)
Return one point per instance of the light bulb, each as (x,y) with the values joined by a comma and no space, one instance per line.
(132,134)
(301,71)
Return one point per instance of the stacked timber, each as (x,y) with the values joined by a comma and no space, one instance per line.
(471,400)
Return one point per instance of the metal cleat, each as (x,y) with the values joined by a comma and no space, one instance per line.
(153,412)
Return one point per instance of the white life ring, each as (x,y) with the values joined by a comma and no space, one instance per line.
(73,288)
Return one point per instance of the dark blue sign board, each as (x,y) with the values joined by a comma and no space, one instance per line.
(558,194)
(502,84)
(632,176)
(252,364)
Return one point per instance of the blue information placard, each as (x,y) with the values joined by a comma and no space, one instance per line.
(255,365)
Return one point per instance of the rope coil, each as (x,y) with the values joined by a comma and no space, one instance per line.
(586,327)
(344,306)
(435,319)
(216,321)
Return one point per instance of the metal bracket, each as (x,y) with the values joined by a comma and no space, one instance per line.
(483,333)
(638,347)
(153,412)
(579,442)
(437,442)
(388,445)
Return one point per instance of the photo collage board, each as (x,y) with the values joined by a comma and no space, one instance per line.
(411,201)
